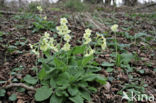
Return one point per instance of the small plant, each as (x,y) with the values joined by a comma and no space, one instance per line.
(114,28)
(32,6)
(41,22)
(75,5)
(65,75)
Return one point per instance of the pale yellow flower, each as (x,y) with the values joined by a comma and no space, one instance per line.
(39,8)
(87,40)
(64,27)
(35,52)
(88,31)
(86,35)
(31,46)
(45,18)
(66,32)
(51,40)
(63,21)
(44,47)
(104,44)
(67,37)
(53,47)
(114,28)
(58,28)
(66,47)
(91,52)
(46,35)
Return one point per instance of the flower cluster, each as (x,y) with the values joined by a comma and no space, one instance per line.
(87,35)
(47,43)
(63,28)
(101,41)
(64,32)
(90,52)
(39,8)
(114,28)
(34,50)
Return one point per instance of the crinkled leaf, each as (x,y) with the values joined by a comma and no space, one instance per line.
(92,89)
(127,57)
(42,74)
(30,80)
(85,95)
(109,69)
(137,35)
(43,93)
(60,92)
(60,64)
(101,79)
(73,91)
(53,83)
(106,64)
(13,97)
(56,99)
(63,79)
(86,60)
(77,99)
(2,92)
(89,77)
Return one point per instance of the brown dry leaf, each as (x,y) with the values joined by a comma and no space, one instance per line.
(20,101)
(119,69)
(107,86)
(107,55)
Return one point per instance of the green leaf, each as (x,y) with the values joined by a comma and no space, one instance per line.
(109,70)
(137,35)
(77,99)
(2,92)
(43,93)
(86,60)
(1,33)
(126,57)
(30,80)
(63,79)
(53,83)
(1,82)
(13,97)
(73,90)
(89,77)
(85,95)
(56,99)
(83,84)
(93,69)
(61,92)
(79,50)
(60,64)
(106,64)
(42,74)
(101,79)
(92,89)
(142,71)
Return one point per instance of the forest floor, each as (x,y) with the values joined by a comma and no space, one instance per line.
(136,41)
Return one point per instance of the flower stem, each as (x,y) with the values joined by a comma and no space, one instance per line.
(116,48)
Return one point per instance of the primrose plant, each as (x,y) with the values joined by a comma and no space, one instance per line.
(114,28)
(67,71)
(41,22)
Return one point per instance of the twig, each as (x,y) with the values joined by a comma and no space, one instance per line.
(20,85)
